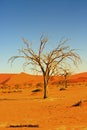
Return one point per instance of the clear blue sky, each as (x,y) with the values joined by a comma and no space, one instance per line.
(29,18)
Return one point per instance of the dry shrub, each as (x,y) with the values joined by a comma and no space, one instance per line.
(29,84)
(39,85)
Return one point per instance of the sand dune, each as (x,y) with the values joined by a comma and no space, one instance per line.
(5,78)
(23,78)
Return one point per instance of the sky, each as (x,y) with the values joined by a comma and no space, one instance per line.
(31,18)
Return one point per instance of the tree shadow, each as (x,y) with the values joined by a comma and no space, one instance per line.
(23,125)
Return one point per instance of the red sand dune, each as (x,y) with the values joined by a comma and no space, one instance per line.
(5,77)
(23,78)
(80,77)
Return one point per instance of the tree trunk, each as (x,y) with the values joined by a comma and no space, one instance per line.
(65,81)
(45,87)
(45,91)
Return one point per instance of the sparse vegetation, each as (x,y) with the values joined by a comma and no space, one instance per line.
(39,85)
(47,63)
(29,84)
(10,90)
(17,86)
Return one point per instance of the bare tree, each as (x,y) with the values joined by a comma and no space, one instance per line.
(65,71)
(46,63)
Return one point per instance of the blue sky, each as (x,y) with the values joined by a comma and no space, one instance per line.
(29,18)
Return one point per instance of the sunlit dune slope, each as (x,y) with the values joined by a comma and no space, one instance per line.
(24,78)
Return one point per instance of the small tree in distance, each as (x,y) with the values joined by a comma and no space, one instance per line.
(46,63)
(65,71)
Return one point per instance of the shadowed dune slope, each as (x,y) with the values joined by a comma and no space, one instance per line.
(5,77)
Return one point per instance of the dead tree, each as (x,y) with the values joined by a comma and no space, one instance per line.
(46,63)
(65,71)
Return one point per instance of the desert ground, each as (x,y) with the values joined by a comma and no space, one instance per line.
(22,107)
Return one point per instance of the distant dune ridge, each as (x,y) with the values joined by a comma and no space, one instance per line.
(80,77)
(23,78)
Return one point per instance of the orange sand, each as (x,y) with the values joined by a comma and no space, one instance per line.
(21,106)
